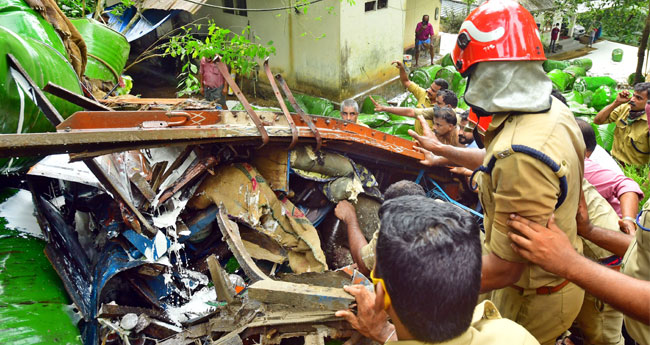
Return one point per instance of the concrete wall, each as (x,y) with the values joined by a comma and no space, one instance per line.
(414,10)
(335,50)
(369,42)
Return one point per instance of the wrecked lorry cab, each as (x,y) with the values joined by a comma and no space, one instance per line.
(183,226)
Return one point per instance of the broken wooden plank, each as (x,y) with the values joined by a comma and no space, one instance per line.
(143,186)
(73,98)
(300,295)
(222,285)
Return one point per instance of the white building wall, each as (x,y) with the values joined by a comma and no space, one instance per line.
(370,41)
(335,50)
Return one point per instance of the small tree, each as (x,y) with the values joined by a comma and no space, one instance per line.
(236,51)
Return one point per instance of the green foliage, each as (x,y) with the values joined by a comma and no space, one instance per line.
(75,8)
(640,175)
(235,50)
(451,22)
(122,6)
(621,20)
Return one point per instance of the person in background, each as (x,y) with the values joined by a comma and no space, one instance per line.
(592,36)
(426,279)
(212,82)
(350,110)
(555,34)
(425,98)
(423,36)
(620,191)
(631,144)
(465,137)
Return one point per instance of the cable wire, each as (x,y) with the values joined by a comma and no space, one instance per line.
(253,9)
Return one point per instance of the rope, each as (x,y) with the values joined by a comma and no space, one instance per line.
(253,9)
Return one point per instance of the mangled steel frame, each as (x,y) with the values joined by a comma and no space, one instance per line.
(276,309)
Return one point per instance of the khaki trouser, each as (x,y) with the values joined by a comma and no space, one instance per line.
(546,317)
(600,323)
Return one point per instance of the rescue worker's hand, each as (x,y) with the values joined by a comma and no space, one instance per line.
(623,97)
(549,247)
(345,211)
(398,64)
(428,139)
(627,226)
(378,107)
(429,158)
(370,320)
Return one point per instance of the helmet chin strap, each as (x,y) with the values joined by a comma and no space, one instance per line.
(498,87)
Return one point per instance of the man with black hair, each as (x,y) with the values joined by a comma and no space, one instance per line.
(594,151)
(465,137)
(425,98)
(631,144)
(363,253)
(447,98)
(427,277)
(444,113)
(620,191)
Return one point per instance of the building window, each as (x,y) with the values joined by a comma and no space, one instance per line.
(229,3)
(242,4)
(437,13)
(376,5)
(239,4)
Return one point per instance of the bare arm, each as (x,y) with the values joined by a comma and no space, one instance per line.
(614,241)
(469,158)
(629,207)
(345,211)
(497,273)
(402,74)
(550,248)
(410,112)
(603,115)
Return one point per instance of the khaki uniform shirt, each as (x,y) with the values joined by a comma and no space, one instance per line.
(421,95)
(626,134)
(602,215)
(525,185)
(487,328)
(636,264)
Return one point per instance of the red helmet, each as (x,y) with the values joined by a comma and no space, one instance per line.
(498,30)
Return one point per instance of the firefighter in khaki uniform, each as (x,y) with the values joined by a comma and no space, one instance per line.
(631,144)
(600,323)
(426,277)
(533,163)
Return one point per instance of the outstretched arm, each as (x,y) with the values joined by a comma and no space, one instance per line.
(410,112)
(550,248)
(403,78)
(469,158)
